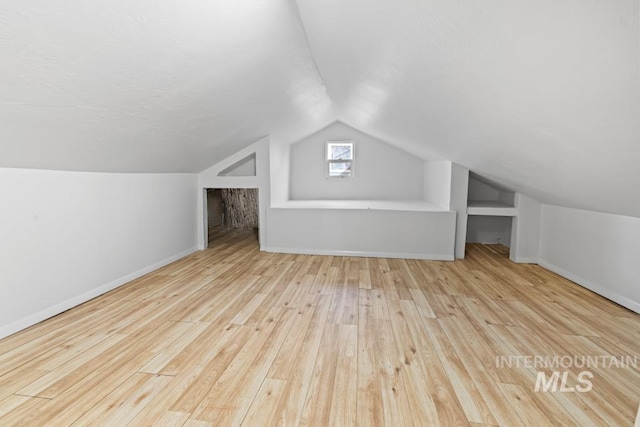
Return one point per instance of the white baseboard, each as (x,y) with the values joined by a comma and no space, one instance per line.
(594,287)
(56,309)
(526,260)
(365,254)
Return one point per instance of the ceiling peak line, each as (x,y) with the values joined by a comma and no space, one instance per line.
(298,17)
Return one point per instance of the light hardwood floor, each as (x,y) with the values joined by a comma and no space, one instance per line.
(234,336)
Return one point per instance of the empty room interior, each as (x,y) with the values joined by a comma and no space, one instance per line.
(319,213)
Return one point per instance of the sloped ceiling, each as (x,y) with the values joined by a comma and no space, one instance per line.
(151,85)
(541,96)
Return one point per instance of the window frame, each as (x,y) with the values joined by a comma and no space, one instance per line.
(329,161)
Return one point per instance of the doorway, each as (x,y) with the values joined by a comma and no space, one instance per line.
(232,213)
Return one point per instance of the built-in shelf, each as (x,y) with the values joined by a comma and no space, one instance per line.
(490,207)
(490,212)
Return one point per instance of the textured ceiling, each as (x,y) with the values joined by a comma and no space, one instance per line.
(157,85)
(542,96)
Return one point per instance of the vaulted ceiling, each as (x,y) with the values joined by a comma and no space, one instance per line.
(542,96)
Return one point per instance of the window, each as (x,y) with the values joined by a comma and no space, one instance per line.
(340,159)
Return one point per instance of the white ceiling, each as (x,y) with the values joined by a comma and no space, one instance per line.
(542,96)
(155,85)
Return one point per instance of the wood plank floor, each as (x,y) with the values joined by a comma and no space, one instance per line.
(234,336)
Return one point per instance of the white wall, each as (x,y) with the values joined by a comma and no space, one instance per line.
(489,229)
(244,167)
(479,190)
(381,171)
(279,161)
(596,250)
(211,178)
(525,235)
(362,232)
(458,203)
(437,182)
(66,237)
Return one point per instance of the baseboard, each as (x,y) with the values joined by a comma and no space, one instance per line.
(363,254)
(594,287)
(56,309)
(526,260)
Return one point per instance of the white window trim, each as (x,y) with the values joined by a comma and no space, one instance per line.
(329,161)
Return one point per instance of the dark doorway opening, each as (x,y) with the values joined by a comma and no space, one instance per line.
(232,212)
